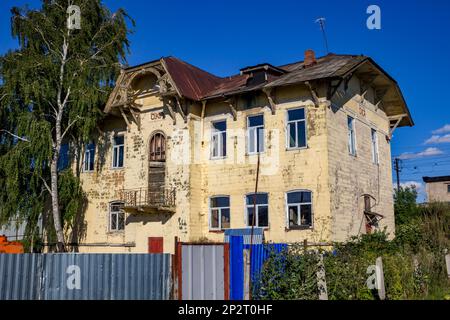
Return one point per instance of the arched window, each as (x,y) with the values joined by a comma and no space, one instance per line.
(158,147)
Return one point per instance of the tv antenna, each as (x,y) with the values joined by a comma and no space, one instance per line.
(321,22)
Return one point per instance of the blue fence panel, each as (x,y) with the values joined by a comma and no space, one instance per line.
(260,253)
(236,268)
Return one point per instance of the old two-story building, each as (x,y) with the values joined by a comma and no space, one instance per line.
(181,150)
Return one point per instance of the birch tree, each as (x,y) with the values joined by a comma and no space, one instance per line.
(52,91)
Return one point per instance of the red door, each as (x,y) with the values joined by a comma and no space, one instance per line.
(155,245)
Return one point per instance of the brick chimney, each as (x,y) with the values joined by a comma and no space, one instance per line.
(310,58)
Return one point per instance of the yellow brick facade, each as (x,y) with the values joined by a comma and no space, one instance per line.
(336,179)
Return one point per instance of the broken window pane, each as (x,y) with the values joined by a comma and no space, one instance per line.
(225,213)
(220,212)
(117,216)
(215,218)
(293,216)
(299,208)
(262,210)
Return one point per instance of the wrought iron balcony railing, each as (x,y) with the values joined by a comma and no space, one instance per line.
(144,199)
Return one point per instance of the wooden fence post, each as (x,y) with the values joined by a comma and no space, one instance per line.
(321,279)
(380,279)
(447,262)
(247,275)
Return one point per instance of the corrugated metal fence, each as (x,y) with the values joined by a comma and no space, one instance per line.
(203,273)
(85,276)
(260,253)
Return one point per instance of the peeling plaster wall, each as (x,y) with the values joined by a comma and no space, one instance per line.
(102,186)
(351,177)
(281,170)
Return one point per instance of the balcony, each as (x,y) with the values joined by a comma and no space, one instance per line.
(144,200)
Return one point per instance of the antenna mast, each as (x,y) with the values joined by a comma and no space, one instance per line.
(321,22)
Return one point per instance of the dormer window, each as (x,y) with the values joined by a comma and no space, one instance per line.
(260,73)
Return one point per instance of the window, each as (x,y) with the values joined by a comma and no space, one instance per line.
(158,147)
(296,128)
(299,206)
(219,140)
(116,216)
(448,188)
(255,135)
(64,157)
(374,146)
(89,157)
(262,210)
(351,136)
(219,213)
(118,149)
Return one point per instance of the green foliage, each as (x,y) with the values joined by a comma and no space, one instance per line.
(55,76)
(413,263)
(405,207)
(291,275)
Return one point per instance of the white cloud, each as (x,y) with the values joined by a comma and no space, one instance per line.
(442,130)
(435,139)
(418,185)
(426,153)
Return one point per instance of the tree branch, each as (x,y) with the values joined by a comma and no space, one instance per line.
(70,125)
(15,136)
(45,184)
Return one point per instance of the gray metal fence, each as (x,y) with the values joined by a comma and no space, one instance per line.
(85,276)
(204,271)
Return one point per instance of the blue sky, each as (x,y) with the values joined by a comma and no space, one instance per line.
(221,37)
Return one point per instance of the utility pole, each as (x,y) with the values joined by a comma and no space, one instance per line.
(321,22)
(397,171)
(253,226)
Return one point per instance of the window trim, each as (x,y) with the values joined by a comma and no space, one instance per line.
(87,159)
(286,129)
(220,212)
(355,149)
(219,133)
(114,148)
(374,146)
(256,136)
(300,227)
(116,202)
(246,222)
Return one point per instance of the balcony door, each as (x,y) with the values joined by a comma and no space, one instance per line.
(157,166)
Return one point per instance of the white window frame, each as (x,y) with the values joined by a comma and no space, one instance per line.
(351,136)
(247,206)
(287,130)
(116,148)
(116,213)
(87,158)
(299,205)
(255,135)
(220,140)
(220,228)
(374,142)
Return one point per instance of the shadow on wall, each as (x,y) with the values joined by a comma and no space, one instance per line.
(145,218)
